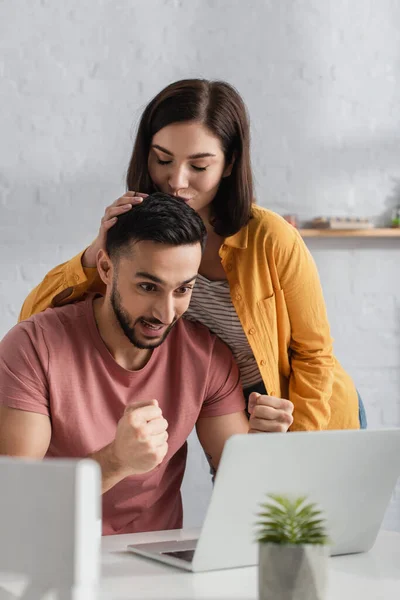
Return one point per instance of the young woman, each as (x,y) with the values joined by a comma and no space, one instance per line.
(258,287)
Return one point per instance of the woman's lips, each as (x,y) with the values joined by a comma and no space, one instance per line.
(184,199)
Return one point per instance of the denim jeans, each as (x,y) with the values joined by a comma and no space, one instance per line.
(361,413)
(260,388)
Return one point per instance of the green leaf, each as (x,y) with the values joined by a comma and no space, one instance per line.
(287,521)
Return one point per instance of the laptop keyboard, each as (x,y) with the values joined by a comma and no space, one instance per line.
(186,555)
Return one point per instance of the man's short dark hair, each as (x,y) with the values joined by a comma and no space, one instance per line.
(159,218)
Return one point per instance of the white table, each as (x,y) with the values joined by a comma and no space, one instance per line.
(370,576)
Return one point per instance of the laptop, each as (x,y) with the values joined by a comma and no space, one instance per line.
(50,523)
(349,474)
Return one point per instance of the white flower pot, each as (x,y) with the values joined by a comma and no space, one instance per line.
(292,572)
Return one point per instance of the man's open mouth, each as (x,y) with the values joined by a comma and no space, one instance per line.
(151,326)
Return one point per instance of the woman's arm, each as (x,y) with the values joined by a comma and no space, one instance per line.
(63,284)
(69,281)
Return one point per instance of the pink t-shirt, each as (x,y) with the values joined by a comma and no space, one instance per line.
(56,364)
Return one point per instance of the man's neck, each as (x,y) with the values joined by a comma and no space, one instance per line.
(122,350)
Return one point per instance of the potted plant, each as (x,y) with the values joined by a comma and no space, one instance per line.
(293,550)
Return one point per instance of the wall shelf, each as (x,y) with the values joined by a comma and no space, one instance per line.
(386,232)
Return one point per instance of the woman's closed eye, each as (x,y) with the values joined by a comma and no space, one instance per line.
(168,162)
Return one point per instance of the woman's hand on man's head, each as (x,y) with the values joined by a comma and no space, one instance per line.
(112,212)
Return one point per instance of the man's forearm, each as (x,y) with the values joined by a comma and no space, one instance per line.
(111,471)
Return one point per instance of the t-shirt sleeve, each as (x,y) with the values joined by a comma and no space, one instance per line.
(23,369)
(224,393)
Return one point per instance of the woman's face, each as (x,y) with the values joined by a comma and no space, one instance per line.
(187,160)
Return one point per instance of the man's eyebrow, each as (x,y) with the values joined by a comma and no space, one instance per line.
(192,156)
(145,275)
(188,280)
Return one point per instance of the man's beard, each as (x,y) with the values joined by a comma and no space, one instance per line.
(129,329)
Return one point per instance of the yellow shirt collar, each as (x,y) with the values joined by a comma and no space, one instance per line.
(239,239)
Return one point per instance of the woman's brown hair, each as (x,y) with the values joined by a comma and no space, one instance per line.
(220,108)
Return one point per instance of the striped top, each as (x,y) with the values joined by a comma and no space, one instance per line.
(212,306)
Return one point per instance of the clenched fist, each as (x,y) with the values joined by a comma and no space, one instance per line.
(269,414)
(140,442)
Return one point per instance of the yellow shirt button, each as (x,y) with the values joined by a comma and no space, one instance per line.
(262,362)
(238,297)
(252,331)
(271,393)
(75,277)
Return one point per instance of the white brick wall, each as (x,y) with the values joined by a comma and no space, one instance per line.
(321,83)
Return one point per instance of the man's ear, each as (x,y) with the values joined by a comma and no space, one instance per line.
(104,267)
(229,167)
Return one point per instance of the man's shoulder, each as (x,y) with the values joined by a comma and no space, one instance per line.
(57,320)
(47,333)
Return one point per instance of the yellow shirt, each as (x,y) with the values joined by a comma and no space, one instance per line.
(277,295)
